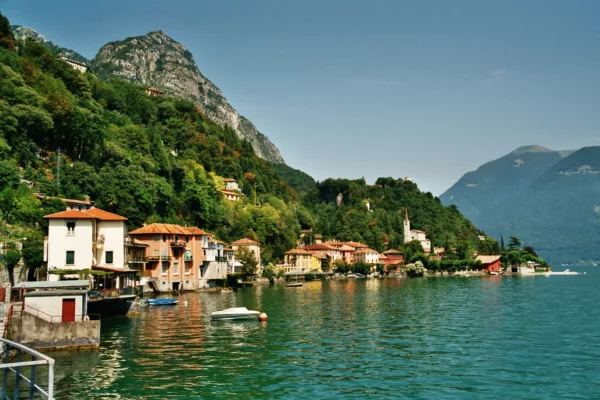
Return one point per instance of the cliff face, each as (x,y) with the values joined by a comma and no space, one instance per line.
(158,61)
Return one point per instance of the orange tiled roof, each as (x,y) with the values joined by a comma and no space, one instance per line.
(298,251)
(366,251)
(487,259)
(392,251)
(317,247)
(356,244)
(194,230)
(156,228)
(92,213)
(244,241)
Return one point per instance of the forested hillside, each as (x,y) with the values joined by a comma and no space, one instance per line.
(64,133)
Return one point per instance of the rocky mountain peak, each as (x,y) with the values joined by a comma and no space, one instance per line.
(157,60)
(23,33)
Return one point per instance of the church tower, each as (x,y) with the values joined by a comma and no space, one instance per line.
(406,227)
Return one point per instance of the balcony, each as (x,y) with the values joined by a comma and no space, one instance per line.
(178,243)
(188,258)
(157,258)
(136,260)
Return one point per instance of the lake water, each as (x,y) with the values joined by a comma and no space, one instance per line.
(433,338)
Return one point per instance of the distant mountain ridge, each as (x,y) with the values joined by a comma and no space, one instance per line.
(548,198)
(22,33)
(158,61)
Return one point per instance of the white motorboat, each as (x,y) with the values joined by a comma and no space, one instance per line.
(235,313)
(565,272)
(494,273)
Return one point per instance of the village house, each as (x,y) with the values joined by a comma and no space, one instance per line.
(81,67)
(346,251)
(154,92)
(298,260)
(229,195)
(171,255)
(250,244)
(231,184)
(318,238)
(393,257)
(71,204)
(367,256)
(414,234)
(327,254)
(489,263)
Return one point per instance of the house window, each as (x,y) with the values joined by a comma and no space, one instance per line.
(176,268)
(109,257)
(164,253)
(70,227)
(165,267)
(176,238)
(155,253)
(187,268)
(164,238)
(156,238)
(187,239)
(70,258)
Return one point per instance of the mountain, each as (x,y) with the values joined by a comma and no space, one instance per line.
(22,33)
(553,205)
(158,61)
(499,180)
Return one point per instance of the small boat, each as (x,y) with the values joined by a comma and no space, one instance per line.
(227,290)
(359,275)
(234,313)
(494,273)
(293,284)
(161,302)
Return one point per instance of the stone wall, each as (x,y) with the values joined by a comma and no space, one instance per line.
(39,334)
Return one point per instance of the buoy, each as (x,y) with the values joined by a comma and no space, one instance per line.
(262,316)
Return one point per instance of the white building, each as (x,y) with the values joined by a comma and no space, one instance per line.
(414,234)
(231,184)
(81,67)
(82,239)
(367,256)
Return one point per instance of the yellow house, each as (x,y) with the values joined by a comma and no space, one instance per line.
(315,264)
(298,260)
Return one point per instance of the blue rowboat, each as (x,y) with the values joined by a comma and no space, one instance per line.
(161,302)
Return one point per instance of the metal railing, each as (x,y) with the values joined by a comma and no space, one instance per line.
(49,317)
(158,258)
(35,359)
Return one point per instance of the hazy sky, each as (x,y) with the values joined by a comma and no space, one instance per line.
(344,88)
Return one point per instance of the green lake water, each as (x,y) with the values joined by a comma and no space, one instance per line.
(434,338)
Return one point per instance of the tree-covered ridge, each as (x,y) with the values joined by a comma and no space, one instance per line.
(374,214)
(161,159)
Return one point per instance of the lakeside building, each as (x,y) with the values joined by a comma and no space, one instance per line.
(92,239)
(230,195)
(367,256)
(489,263)
(346,251)
(231,184)
(298,260)
(415,234)
(251,245)
(393,257)
(327,254)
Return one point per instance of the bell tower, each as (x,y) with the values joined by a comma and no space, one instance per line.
(406,227)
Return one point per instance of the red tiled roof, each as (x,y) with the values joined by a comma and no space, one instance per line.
(156,228)
(92,213)
(366,251)
(356,244)
(318,247)
(487,259)
(244,241)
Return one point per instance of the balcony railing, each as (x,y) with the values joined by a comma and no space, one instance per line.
(136,259)
(157,258)
(178,243)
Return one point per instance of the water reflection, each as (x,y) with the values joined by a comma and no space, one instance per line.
(426,338)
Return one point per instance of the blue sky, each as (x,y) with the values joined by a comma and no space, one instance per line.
(427,89)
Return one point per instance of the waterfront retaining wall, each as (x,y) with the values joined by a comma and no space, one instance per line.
(39,334)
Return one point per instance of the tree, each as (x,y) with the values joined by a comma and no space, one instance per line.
(502,243)
(269,272)
(33,255)
(515,243)
(9,175)
(412,251)
(248,260)
(10,259)
(463,250)
(7,40)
